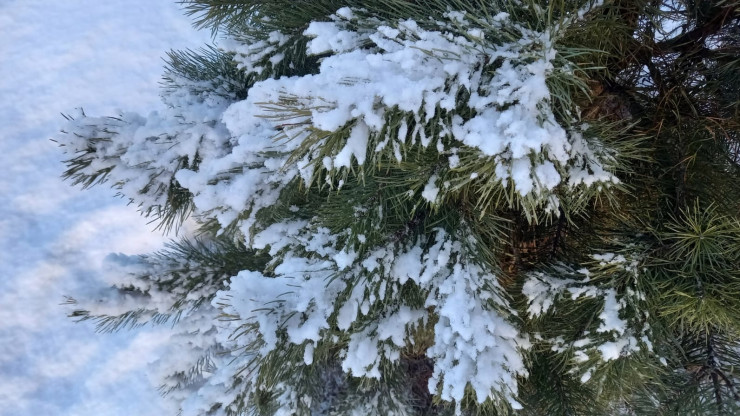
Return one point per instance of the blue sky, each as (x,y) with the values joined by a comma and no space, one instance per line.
(56,56)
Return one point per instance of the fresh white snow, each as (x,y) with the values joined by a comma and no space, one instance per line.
(53,238)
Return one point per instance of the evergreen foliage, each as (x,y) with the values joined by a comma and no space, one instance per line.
(427,207)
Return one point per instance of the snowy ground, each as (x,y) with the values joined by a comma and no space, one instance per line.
(58,55)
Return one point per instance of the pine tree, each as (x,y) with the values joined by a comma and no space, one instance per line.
(425,207)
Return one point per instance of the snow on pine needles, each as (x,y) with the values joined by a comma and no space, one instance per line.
(470,95)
